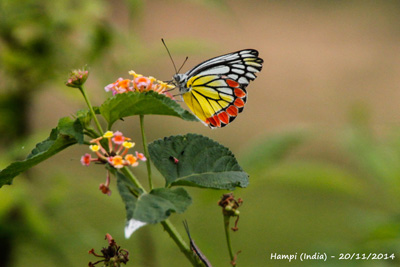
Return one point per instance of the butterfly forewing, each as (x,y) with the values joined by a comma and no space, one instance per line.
(215,90)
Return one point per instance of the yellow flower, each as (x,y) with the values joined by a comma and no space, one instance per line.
(134,74)
(94,148)
(108,134)
(128,144)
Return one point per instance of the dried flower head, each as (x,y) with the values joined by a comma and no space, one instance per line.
(230,207)
(112,255)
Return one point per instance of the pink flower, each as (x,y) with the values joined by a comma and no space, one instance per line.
(140,156)
(142,83)
(119,87)
(86,159)
(118,138)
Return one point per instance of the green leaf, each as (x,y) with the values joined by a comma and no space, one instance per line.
(67,133)
(152,207)
(85,117)
(134,103)
(43,150)
(195,160)
(72,128)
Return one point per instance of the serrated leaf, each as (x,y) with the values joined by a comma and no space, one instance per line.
(195,160)
(41,152)
(152,207)
(135,103)
(67,133)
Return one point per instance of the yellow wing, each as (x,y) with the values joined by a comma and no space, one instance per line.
(215,90)
(214,99)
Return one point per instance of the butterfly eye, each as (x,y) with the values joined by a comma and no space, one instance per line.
(178,77)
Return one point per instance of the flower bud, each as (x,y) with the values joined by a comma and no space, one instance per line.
(77,78)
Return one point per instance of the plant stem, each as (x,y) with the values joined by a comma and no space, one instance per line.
(228,237)
(130,175)
(168,226)
(146,151)
(181,243)
(83,91)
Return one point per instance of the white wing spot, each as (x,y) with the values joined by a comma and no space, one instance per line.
(238,66)
(226,90)
(215,71)
(251,69)
(233,76)
(250,75)
(238,71)
(243,80)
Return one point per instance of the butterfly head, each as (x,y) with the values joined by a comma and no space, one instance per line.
(178,78)
(180,81)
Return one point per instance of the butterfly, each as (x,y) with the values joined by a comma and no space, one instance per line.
(215,90)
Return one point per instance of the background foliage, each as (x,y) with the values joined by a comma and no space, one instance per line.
(319,136)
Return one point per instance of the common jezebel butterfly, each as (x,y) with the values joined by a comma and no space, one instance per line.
(215,90)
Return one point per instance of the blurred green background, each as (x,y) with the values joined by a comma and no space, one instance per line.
(319,137)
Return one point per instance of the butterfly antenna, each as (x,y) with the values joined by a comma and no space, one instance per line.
(183,64)
(169,55)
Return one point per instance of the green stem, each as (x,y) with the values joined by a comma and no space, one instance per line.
(83,91)
(181,243)
(228,237)
(146,151)
(130,175)
(91,133)
(168,226)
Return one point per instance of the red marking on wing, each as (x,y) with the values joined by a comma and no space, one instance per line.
(239,92)
(223,117)
(214,121)
(232,111)
(232,83)
(239,102)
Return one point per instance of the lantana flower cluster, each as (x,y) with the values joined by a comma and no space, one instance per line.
(139,83)
(116,154)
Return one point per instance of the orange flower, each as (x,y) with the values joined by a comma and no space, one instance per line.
(131,160)
(116,162)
